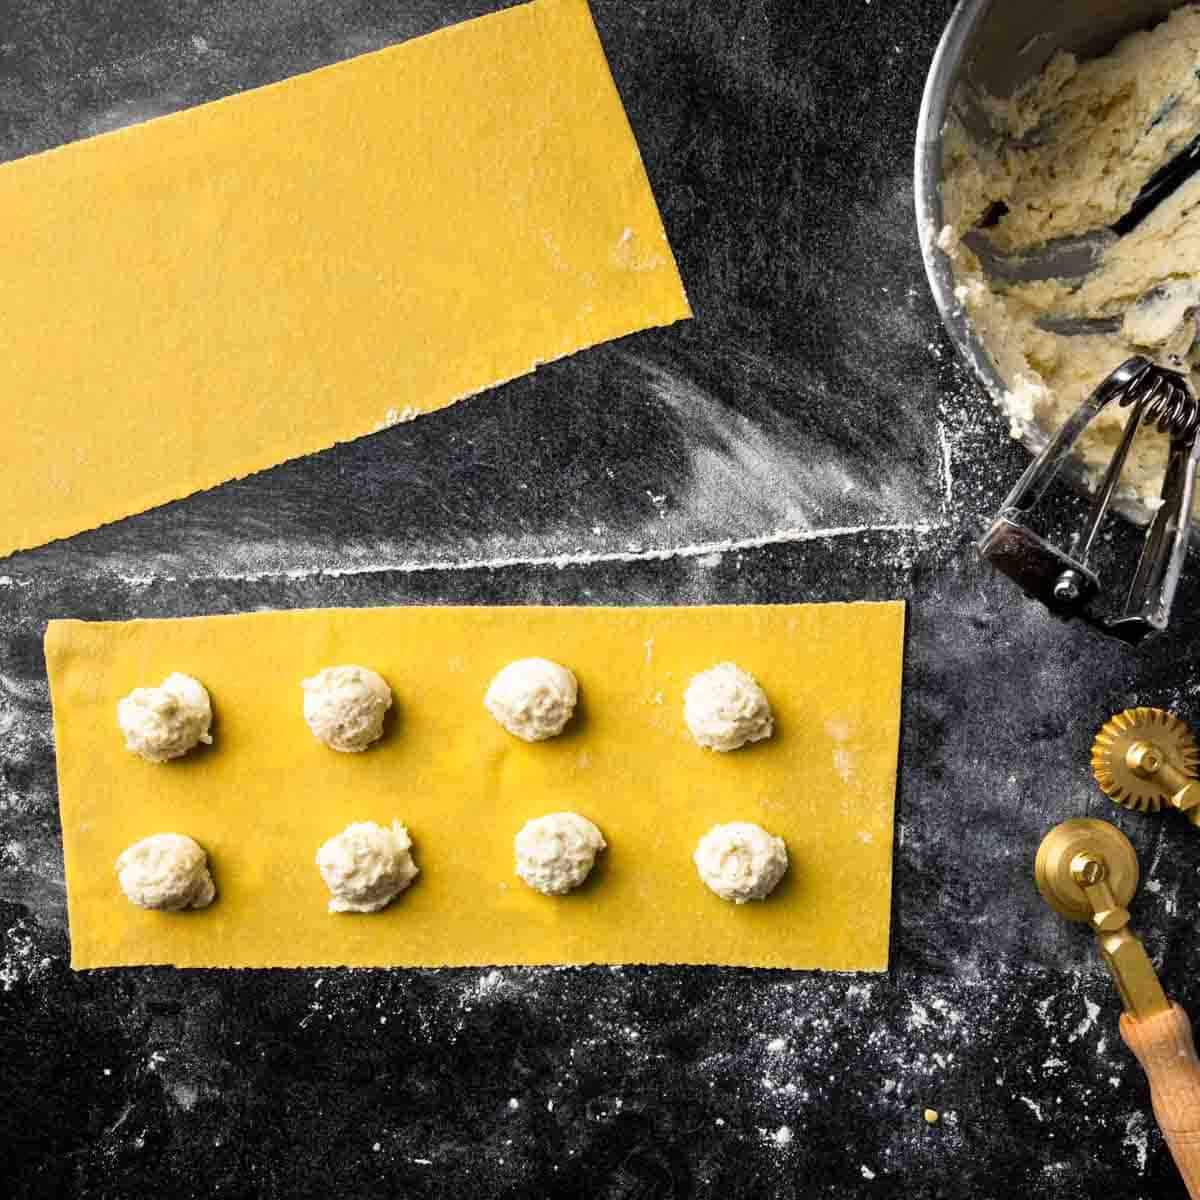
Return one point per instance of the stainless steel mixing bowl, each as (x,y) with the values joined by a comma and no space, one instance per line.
(995,46)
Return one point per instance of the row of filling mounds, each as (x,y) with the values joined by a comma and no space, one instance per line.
(366,866)
(534,699)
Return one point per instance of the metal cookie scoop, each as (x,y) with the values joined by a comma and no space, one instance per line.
(1062,579)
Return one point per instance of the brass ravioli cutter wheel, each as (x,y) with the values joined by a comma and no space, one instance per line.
(1087,871)
(1147,759)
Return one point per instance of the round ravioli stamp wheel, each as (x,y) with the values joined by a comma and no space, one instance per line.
(165,722)
(741,861)
(533,698)
(166,871)
(366,866)
(725,708)
(345,707)
(556,853)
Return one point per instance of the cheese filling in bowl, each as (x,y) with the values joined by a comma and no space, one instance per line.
(1041,124)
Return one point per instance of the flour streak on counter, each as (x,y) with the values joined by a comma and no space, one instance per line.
(711,551)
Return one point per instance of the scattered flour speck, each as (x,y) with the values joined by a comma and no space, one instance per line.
(1137,1137)
(779,1138)
(1091,1012)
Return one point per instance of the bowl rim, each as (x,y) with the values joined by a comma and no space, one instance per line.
(927,194)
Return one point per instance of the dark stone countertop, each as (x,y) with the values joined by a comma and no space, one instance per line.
(808,437)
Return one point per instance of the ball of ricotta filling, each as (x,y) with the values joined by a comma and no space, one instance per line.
(366,866)
(556,853)
(741,861)
(725,708)
(166,871)
(533,698)
(165,722)
(345,707)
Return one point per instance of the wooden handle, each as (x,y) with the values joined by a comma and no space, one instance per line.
(1163,1045)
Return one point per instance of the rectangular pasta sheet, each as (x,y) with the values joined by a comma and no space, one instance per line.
(267,794)
(205,295)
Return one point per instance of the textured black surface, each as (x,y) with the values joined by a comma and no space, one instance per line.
(808,437)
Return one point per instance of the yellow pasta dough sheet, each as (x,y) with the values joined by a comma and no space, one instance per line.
(208,294)
(266,794)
